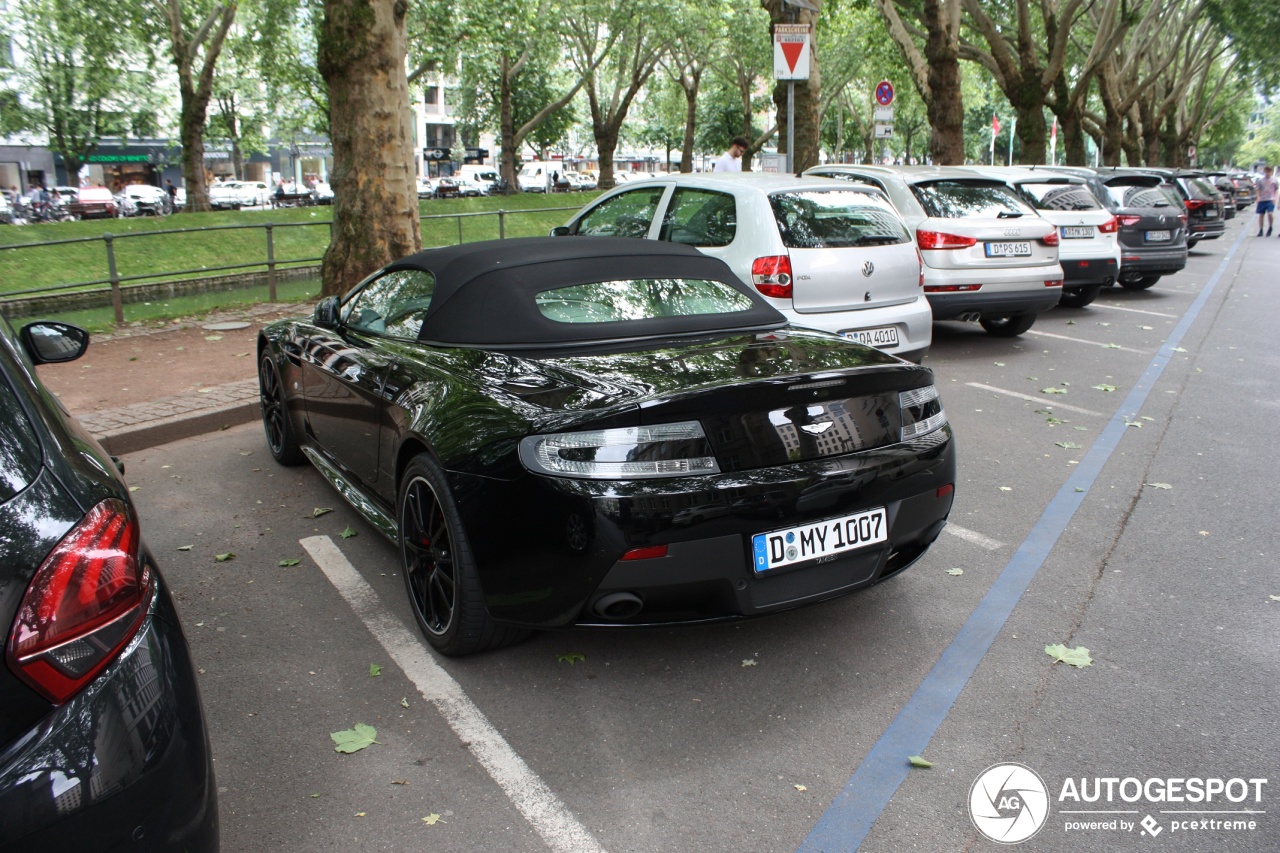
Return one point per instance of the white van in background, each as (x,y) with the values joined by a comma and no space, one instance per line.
(535,177)
(485,176)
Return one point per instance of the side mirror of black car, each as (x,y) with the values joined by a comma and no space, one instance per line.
(326,316)
(561,231)
(49,342)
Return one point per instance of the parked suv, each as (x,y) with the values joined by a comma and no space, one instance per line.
(1153,222)
(1087,247)
(1204,204)
(987,255)
(828,255)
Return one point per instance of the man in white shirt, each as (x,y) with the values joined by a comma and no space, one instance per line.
(1266,186)
(731,160)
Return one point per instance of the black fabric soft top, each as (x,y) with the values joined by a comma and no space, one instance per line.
(484,293)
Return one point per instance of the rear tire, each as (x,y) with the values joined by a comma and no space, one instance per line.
(281,440)
(1080,296)
(1008,327)
(1142,283)
(439,567)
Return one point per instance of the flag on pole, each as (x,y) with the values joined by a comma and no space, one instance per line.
(995,126)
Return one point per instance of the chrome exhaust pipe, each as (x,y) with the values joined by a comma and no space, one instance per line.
(617,606)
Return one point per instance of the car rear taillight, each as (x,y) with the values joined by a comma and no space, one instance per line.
(1128,220)
(1050,239)
(1112,225)
(921,412)
(772,276)
(1194,204)
(84,604)
(920,260)
(623,453)
(942,240)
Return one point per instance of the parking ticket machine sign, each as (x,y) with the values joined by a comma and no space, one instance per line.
(791,51)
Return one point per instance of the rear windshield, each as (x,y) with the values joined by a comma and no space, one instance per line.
(639,299)
(1127,195)
(1200,188)
(954,199)
(1050,196)
(836,219)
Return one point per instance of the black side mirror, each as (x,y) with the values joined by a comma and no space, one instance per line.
(561,231)
(326,316)
(49,342)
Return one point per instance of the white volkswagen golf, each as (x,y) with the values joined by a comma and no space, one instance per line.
(828,255)
(987,255)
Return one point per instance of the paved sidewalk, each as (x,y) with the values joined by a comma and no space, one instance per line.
(143,425)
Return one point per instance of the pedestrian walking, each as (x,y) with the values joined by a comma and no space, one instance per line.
(731,160)
(1266,186)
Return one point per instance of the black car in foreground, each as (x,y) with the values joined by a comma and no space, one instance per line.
(605,432)
(103,745)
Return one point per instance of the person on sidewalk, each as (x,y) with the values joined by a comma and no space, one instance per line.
(1266,186)
(731,160)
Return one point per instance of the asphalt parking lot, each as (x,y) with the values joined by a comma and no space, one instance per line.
(1128,509)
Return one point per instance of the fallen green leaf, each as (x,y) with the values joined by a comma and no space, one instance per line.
(1275,598)
(1078,489)
(404,703)
(354,740)
(1052,421)
(1071,322)
(185,547)
(320,510)
(749,662)
(570,658)
(1179,349)
(374,670)
(1006,488)
(800,787)
(1158,485)
(1077,657)
(1113,346)
(917,761)
(1069,445)
(289,561)
(222,558)
(999,364)
(1104,387)
(315,796)
(433,819)
(347,534)
(956,572)
(1147,328)
(1053,390)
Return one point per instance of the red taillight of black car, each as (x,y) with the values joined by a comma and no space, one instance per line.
(84,604)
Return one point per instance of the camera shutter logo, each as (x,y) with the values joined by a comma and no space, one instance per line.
(1008,803)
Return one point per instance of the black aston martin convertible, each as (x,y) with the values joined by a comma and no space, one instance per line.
(563,432)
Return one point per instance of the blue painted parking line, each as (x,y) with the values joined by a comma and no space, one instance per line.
(849,818)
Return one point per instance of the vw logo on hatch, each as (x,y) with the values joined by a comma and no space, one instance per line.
(868,268)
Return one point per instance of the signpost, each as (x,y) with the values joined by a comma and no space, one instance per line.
(791,63)
(884,96)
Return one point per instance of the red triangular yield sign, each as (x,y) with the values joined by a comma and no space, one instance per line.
(791,50)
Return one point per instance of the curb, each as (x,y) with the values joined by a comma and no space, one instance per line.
(144,436)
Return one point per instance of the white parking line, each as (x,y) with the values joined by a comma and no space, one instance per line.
(1048,404)
(1134,310)
(973,537)
(1083,341)
(548,816)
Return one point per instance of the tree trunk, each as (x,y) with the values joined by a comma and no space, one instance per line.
(196,89)
(690,119)
(606,145)
(375,210)
(945,106)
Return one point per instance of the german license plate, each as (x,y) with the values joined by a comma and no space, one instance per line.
(809,542)
(884,336)
(1076,232)
(1008,250)
(1159,236)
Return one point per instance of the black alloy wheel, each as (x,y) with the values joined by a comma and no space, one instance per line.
(1079,297)
(439,569)
(1141,283)
(1008,327)
(281,440)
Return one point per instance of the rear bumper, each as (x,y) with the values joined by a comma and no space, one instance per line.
(125,764)
(550,565)
(1005,292)
(1135,262)
(913,320)
(1085,272)
(1199,230)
